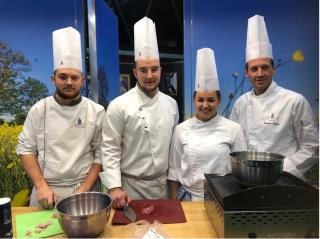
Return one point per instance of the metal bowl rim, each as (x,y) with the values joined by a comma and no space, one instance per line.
(257,163)
(86,215)
(278,157)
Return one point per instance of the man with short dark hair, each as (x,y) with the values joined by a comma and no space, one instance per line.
(274,119)
(60,143)
(138,127)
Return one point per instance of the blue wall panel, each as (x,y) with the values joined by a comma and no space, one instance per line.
(222,26)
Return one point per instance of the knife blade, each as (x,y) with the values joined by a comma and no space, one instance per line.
(129,213)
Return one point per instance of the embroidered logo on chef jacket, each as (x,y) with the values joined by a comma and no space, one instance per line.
(79,123)
(272,120)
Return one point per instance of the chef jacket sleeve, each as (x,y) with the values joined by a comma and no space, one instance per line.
(175,156)
(97,138)
(234,113)
(176,120)
(239,143)
(28,138)
(112,129)
(307,135)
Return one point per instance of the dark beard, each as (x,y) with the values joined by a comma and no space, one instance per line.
(147,91)
(67,97)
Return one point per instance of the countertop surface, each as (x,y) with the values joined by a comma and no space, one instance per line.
(197,225)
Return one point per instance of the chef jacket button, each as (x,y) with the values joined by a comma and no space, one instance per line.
(140,109)
(143,117)
(145,127)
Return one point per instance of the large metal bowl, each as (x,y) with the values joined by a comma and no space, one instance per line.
(84,214)
(252,168)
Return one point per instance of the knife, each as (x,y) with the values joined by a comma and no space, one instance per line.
(129,213)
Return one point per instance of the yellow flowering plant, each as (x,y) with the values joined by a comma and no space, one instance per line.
(14,182)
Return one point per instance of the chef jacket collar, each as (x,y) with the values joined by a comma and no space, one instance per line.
(199,123)
(269,91)
(145,99)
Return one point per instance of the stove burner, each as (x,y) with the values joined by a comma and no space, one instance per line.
(289,208)
(289,192)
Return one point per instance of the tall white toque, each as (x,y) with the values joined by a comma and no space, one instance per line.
(145,40)
(67,48)
(258,44)
(206,71)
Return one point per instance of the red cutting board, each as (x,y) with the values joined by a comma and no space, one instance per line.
(165,211)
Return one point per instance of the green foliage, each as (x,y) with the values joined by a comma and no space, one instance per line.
(19,119)
(17,94)
(12,64)
(30,92)
(13,178)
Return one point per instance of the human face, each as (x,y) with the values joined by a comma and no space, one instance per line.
(68,82)
(206,104)
(260,72)
(148,74)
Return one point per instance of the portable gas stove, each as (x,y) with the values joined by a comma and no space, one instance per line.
(288,208)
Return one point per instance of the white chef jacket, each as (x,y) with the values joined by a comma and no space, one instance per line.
(136,134)
(203,147)
(66,139)
(279,121)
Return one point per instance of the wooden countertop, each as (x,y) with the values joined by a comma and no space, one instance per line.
(197,225)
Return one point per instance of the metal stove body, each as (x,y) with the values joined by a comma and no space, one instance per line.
(289,208)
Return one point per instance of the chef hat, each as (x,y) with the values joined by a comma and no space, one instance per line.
(258,44)
(206,71)
(67,48)
(145,40)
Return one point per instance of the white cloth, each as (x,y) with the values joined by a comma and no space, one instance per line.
(142,189)
(62,192)
(66,45)
(66,139)
(279,121)
(206,71)
(203,147)
(136,134)
(258,44)
(145,40)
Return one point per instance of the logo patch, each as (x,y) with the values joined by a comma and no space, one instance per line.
(272,120)
(79,123)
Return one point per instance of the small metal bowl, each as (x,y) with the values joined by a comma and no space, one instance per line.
(84,214)
(252,168)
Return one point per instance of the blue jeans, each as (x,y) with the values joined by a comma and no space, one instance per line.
(183,194)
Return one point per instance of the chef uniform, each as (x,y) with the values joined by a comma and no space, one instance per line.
(66,139)
(279,120)
(137,132)
(203,147)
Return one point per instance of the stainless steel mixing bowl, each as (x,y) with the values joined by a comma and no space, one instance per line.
(252,168)
(84,214)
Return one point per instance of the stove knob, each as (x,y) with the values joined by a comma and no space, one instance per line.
(252,235)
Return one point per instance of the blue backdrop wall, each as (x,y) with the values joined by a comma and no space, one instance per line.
(222,25)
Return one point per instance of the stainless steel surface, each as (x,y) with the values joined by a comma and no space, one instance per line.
(254,168)
(129,213)
(84,214)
